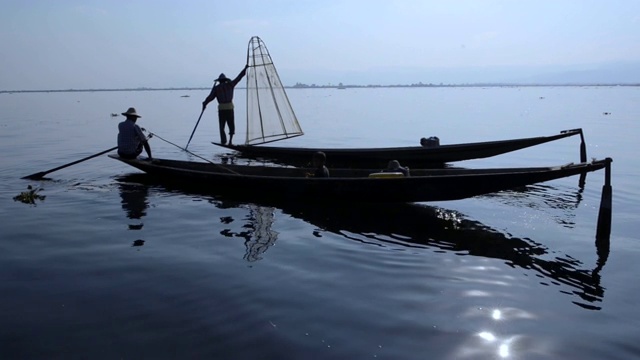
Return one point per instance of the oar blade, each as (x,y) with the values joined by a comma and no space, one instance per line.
(36,176)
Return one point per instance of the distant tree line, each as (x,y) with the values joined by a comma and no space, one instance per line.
(299,85)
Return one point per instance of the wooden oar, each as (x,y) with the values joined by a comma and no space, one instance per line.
(39,175)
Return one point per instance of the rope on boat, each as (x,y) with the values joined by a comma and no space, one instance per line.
(179,147)
(196,155)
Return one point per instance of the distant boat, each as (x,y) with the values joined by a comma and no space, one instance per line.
(184,96)
(114,114)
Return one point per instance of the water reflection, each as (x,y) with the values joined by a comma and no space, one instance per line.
(258,233)
(134,201)
(544,197)
(503,346)
(263,236)
(414,225)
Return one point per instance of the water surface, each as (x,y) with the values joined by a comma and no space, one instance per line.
(111,265)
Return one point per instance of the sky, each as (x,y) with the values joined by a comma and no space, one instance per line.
(73,44)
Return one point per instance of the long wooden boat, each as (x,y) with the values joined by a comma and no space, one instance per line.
(351,185)
(413,156)
(271,118)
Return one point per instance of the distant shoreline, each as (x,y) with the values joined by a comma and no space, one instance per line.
(304,86)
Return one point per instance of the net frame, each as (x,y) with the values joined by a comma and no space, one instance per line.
(270,116)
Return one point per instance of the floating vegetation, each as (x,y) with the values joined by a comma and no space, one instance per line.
(30,196)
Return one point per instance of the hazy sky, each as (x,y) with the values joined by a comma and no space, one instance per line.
(105,44)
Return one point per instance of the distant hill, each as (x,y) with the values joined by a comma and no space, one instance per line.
(604,74)
(611,73)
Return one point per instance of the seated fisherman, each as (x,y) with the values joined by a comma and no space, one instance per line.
(394,166)
(319,159)
(131,140)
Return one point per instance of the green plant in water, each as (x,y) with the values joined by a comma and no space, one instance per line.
(30,196)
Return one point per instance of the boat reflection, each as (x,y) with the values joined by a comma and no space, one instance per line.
(414,225)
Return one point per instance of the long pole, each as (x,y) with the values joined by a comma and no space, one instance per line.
(199,117)
(194,129)
(39,175)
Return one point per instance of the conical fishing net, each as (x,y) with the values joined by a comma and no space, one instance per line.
(270,116)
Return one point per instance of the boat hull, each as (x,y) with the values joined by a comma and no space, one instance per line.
(349,185)
(413,156)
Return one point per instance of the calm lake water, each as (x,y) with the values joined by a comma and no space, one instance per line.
(112,266)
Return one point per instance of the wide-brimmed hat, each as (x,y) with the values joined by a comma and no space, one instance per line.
(131,112)
(222,78)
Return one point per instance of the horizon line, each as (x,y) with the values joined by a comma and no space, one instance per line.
(342,86)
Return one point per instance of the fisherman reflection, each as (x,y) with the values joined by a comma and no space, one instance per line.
(262,218)
(257,232)
(134,202)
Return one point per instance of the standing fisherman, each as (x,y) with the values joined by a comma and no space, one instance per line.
(223,91)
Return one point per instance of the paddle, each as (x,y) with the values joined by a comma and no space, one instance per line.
(194,129)
(41,174)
